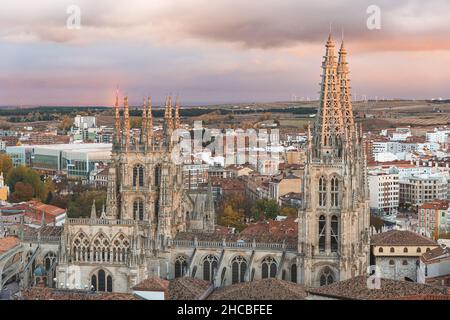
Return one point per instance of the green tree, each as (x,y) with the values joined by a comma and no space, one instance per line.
(230,217)
(265,209)
(5,163)
(80,205)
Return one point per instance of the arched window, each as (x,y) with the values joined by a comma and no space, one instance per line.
(322,192)
(322,230)
(238,269)
(419,250)
(405,250)
(428,249)
(405,262)
(101,281)
(157,175)
(334,192)
(138,175)
(180,266)
(294,273)
(101,248)
(334,234)
(392,250)
(269,268)
(380,250)
(391,262)
(209,267)
(138,209)
(81,247)
(121,246)
(326,277)
(49,260)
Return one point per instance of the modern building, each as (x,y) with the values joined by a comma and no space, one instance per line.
(383,191)
(422,188)
(434,267)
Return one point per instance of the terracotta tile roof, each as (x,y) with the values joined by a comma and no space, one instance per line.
(431,255)
(45,231)
(8,243)
(47,208)
(266,289)
(356,288)
(64,294)
(401,238)
(186,288)
(289,226)
(424,297)
(435,204)
(152,284)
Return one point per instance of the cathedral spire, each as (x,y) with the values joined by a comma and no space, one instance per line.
(149,121)
(117,138)
(344,87)
(126,114)
(144,124)
(177,113)
(329,123)
(93,211)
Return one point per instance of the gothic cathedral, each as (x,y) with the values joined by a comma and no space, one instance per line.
(333,238)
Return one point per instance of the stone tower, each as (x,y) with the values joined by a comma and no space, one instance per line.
(144,183)
(333,238)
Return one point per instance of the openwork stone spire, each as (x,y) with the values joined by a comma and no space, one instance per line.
(117,139)
(149,121)
(177,113)
(329,121)
(144,124)
(344,86)
(126,115)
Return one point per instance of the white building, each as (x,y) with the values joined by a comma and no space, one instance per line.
(434,267)
(384,191)
(421,188)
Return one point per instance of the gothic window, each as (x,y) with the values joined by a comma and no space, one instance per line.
(138,176)
(101,248)
(49,260)
(120,249)
(334,192)
(380,250)
(138,209)
(294,273)
(157,175)
(322,192)
(209,267)
(101,281)
(269,268)
(322,230)
(391,262)
(180,266)
(334,234)
(238,269)
(80,247)
(326,277)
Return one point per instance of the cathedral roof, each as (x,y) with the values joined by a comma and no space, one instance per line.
(37,293)
(401,238)
(266,289)
(152,284)
(357,288)
(186,288)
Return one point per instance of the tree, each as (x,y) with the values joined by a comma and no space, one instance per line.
(230,217)
(288,211)
(6,163)
(65,123)
(80,205)
(265,209)
(22,192)
(26,176)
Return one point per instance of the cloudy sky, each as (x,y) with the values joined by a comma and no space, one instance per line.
(214,51)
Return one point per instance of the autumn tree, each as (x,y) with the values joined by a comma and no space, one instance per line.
(288,211)
(230,217)
(22,192)
(26,176)
(80,205)
(6,163)
(65,124)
